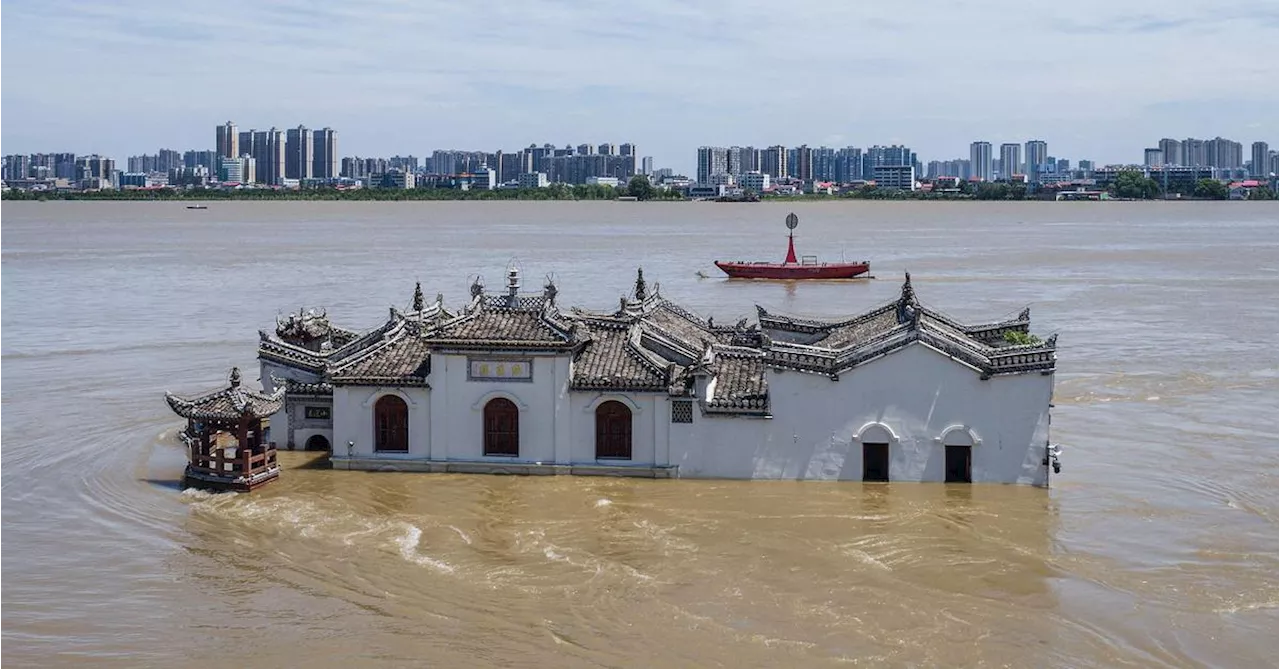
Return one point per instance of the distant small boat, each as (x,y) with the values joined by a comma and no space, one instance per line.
(197,206)
(807,267)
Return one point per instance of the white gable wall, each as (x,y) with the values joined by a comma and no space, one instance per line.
(917,392)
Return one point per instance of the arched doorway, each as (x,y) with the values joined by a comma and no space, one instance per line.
(875,453)
(316,442)
(613,431)
(501,428)
(391,424)
(959,445)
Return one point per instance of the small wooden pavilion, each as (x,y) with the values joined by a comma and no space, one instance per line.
(225,430)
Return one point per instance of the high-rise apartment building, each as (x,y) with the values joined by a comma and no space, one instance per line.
(803,167)
(324,154)
(1193,153)
(712,160)
(824,164)
(1037,157)
(646,166)
(227,141)
(980,160)
(1152,157)
(773,161)
(299,158)
(1010,160)
(269,156)
(1224,153)
(1259,154)
(848,165)
(1171,150)
(95,171)
(607,149)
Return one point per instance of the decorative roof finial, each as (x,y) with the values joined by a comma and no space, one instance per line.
(549,291)
(641,289)
(908,293)
(1052,341)
(235,377)
(1025,314)
(418,300)
(477,288)
(908,307)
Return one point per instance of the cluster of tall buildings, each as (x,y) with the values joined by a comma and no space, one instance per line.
(568,164)
(1217,153)
(92,171)
(748,164)
(1029,161)
(273,156)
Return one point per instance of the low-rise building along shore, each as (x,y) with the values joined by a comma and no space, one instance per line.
(514,383)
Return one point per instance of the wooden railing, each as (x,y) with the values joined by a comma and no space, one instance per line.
(244,463)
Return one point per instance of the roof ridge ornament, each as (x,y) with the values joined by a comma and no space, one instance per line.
(477,287)
(549,291)
(1025,314)
(234,378)
(908,304)
(1052,341)
(419,302)
(641,288)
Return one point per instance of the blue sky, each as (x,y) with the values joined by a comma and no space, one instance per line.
(1094,78)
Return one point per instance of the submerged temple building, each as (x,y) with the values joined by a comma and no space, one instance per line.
(514,383)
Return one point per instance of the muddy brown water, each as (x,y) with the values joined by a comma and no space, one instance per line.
(1156,546)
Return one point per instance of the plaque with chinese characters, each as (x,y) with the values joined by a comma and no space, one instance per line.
(482,369)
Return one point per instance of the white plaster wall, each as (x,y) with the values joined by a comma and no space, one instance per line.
(353,420)
(916,392)
(280,420)
(644,432)
(459,409)
(301,435)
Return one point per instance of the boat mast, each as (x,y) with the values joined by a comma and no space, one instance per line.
(792,222)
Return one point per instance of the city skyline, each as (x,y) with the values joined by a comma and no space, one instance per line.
(675,77)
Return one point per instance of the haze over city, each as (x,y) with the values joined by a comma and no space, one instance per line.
(1093,79)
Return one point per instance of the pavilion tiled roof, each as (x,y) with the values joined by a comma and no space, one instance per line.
(230,403)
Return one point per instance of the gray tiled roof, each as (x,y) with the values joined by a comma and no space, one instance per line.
(229,403)
(405,360)
(494,322)
(740,383)
(836,345)
(613,358)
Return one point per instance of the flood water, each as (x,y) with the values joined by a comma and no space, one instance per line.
(1155,546)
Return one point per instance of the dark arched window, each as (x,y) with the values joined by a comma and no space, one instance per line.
(391,424)
(613,431)
(501,428)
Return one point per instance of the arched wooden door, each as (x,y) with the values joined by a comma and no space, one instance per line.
(391,424)
(501,428)
(613,431)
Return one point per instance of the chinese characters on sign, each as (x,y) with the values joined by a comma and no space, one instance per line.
(500,370)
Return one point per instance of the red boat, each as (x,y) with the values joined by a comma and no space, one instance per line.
(807,267)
